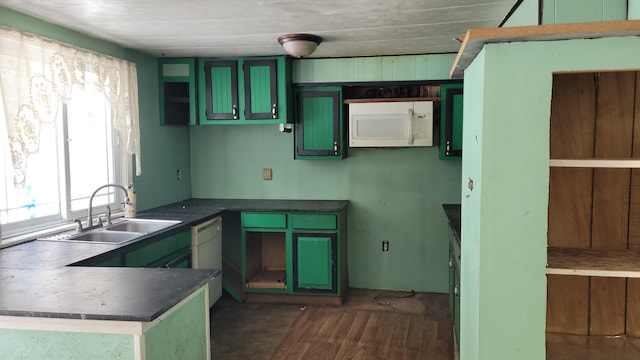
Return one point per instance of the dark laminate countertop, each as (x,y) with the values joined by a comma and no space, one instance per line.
(35,280)
(126,294)
(453,215)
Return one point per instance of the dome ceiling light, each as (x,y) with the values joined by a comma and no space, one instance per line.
(299,45)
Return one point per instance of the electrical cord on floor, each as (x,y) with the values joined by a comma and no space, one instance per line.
(377,299)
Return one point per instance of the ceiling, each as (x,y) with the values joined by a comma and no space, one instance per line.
(240,28)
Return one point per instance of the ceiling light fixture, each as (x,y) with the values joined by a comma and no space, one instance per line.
(299,45)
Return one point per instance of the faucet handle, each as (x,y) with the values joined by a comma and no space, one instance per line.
(78,224)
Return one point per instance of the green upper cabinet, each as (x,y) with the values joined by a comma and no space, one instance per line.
(451,105)
(245,91)
(178,100)
(319,123)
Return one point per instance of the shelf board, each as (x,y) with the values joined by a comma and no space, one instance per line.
(378,100)
(475,39)
(595,163)
(593,262)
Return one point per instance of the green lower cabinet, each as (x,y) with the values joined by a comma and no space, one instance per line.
(292,253)
(314,261)
(320,131)
(159,252)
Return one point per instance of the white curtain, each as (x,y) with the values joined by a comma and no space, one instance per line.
(37,74)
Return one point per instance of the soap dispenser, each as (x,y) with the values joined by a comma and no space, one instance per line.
(130,202)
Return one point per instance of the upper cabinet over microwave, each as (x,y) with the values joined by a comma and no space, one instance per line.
(391,124)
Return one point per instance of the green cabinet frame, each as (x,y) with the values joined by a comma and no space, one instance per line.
(320,130)
(178,84)
(311,246)
(451,116)
(245,91)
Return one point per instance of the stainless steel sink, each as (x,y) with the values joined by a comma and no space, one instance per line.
(103,236)
(144,226)
(121,231)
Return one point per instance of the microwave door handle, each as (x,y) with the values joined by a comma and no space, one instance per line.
(410,127)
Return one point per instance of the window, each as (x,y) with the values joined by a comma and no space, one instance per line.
(77,154)
(70,116)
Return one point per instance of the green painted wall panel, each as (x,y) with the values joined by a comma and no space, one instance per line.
(504,218)
(32,344)
(326,69)
(572,11)
(181,335)
(157,185)
(633,9)
(395,194)
(526,14)
(381,68)
(346,69)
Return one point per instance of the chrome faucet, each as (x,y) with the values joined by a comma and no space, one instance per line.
(90,215)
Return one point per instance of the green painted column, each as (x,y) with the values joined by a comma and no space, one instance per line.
(504,217)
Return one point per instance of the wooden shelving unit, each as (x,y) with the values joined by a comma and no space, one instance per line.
(593,262)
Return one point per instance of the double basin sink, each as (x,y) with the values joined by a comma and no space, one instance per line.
(124,230)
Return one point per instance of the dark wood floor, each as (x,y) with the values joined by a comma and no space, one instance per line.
(370,325)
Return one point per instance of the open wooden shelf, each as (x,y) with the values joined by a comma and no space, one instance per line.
(593,262)
(595,163)
(269,279)
(378,100)
(475,39)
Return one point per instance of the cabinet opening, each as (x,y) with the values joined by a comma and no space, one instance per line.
(176,103)
(266,260)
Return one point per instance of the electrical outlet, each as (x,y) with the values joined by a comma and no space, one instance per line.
(385,245)
(267,174)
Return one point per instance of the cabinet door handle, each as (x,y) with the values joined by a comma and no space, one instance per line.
(456,290)
(335,148)
(274,111)
(451,262)
(234,111)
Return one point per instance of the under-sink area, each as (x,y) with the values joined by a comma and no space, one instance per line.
(119,232)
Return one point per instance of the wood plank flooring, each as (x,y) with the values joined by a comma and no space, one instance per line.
(370,325)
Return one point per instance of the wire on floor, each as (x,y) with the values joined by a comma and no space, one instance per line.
(380,298)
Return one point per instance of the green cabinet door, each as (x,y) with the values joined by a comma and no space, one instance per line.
(154,252)
(220,91)
(314,261)
(260,89)
(178,100)
(319,124)
(451,97)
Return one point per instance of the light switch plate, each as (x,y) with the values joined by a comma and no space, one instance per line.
(266,174)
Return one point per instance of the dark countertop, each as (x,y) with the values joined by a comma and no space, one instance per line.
(126,294)
(34,279)
(453,215)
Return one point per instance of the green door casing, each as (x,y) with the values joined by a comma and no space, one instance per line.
(314,262)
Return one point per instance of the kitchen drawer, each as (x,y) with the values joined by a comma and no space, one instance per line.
(264,220)
(307,221)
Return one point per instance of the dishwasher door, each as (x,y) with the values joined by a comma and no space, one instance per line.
(206,253)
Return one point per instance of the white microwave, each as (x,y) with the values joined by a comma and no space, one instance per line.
(391,124)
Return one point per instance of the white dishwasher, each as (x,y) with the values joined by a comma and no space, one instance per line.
(206,253)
